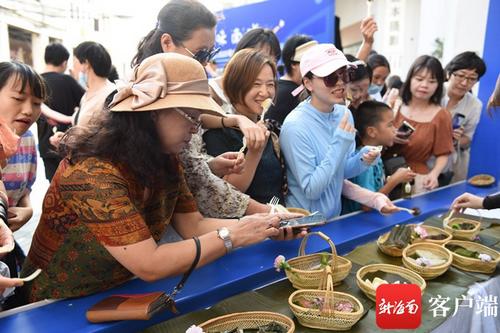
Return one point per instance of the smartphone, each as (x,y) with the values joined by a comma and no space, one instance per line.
(305,221)
(458,120)
(405,130)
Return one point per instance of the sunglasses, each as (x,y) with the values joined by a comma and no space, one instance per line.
(340,74)
(204,55)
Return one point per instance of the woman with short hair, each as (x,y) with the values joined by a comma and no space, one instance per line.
(462,72)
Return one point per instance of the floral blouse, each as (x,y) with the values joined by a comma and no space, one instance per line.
(90,205)
(214,196)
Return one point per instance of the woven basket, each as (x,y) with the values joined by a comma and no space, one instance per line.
(245,320)
(405,273)
(395,251)
(305,271)
(471,264)
(326,319)
(432,272)
(433,231)
(392,251)
(461,234)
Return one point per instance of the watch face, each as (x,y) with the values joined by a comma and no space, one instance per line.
(223,232)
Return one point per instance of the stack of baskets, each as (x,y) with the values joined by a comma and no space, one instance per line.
(306,271)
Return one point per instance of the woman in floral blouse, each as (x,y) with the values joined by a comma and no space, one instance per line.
(121,184)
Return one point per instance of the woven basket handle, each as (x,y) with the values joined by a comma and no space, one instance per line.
(329,307)
(446,220)
(303,244)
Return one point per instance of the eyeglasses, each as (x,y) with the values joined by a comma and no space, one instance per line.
(195,122)
(340,74)
(204,55)
(461,77)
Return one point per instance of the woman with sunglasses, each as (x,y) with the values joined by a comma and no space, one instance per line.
(317,137)
(188,27)
(462,72)
(121,184)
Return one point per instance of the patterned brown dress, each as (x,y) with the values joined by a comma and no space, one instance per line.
(89,205)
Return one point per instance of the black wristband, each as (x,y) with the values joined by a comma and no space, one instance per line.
(222,122)
(180,285)
(3,211)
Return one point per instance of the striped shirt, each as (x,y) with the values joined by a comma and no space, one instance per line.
(20,172)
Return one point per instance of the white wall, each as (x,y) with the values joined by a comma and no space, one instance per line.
(461,24)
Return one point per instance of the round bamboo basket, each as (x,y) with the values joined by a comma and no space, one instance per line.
(244,320)
(472,264)
(298,211)
(305,270)
(327,318)
(481,180)
(405,273)
(433,231)
(392,251)
(461,234)
(395,251)
(432,272)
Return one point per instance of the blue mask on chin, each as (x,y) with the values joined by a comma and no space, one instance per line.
(375,89)
(83,80)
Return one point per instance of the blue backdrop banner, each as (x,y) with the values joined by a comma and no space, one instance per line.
(311,17)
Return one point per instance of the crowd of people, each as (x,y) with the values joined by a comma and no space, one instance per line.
(170,151)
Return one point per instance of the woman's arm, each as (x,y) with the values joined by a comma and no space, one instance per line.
(368,29)
(255,134)
(255,207)
(56,116)
(368,198)
(402,175)
(431,179)
(221,141)
(22,213)
(243,180)
(151,262)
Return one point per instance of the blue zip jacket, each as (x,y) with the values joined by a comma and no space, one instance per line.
(318,156)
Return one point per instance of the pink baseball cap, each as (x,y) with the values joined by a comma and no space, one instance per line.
(321,60)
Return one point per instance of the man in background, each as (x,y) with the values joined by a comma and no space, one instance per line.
(64,95)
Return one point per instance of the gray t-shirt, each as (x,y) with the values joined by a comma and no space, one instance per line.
(469,106)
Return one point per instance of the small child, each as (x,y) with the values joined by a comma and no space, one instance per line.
(375,124)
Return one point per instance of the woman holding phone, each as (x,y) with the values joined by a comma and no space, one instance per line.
(425,129)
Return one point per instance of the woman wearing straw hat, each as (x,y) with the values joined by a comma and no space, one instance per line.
(121,184)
